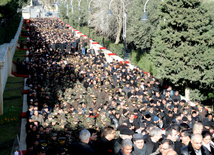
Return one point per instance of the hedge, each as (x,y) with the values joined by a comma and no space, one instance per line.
(9,32)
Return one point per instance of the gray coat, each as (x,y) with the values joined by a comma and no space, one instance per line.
(137,151)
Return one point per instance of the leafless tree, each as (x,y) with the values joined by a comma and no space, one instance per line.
(109,25)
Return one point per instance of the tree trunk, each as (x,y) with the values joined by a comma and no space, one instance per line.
(119,31)
(187,92)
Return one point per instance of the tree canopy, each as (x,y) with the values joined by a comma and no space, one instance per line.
(140,33)
(183,50)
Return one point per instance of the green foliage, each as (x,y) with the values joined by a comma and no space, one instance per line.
(183,47)
(142,60)
(117,48)
(211,94)
(12,109)
(8,8)
(76,12)
(196,94)
(140,33)
(135,56)
(9,32)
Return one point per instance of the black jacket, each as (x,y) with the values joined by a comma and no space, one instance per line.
(177,146)
(150,145)
(105,147)
(82,148)
(188,150)
(117,145)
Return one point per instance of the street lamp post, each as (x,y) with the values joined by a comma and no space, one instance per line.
(72,10)
(89,22)
(145,18)
(102,22)
(79,14)
(124,24)
(66,6)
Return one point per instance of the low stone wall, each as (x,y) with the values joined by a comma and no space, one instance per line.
(7,52)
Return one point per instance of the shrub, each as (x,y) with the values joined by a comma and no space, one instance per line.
(9,32)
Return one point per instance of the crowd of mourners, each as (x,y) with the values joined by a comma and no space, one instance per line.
(80,104)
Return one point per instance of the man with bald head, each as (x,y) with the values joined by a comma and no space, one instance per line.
(195,146)
(171,152)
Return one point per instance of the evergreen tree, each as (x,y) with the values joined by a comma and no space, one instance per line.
(73,16)
(140,33)
(183,50)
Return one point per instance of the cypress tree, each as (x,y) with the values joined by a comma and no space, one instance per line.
(183,50)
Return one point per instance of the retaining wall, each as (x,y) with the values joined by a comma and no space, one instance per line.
(7,52)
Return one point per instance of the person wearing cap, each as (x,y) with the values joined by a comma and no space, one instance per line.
(53,144)
(94,105)
(184,119)
(42,151)
(62,143)
(139,147)
(125,133)
(147,118)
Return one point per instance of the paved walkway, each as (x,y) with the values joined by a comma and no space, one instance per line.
(24,120)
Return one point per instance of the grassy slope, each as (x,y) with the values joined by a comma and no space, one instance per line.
(12,108)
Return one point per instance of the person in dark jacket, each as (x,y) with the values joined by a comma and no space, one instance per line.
(125,133)
(195,146)
(172,134)
(93,139)
(82,146)
(152,140)
(126,147)
(207,141)
(139,147)
(106,143)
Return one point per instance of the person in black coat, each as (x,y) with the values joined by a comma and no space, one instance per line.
(82,146)
(106,144)
(207,141)
(172,134)
(152,140)
(195,146)
(125,133)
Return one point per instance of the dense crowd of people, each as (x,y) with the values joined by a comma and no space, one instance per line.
(78,103)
